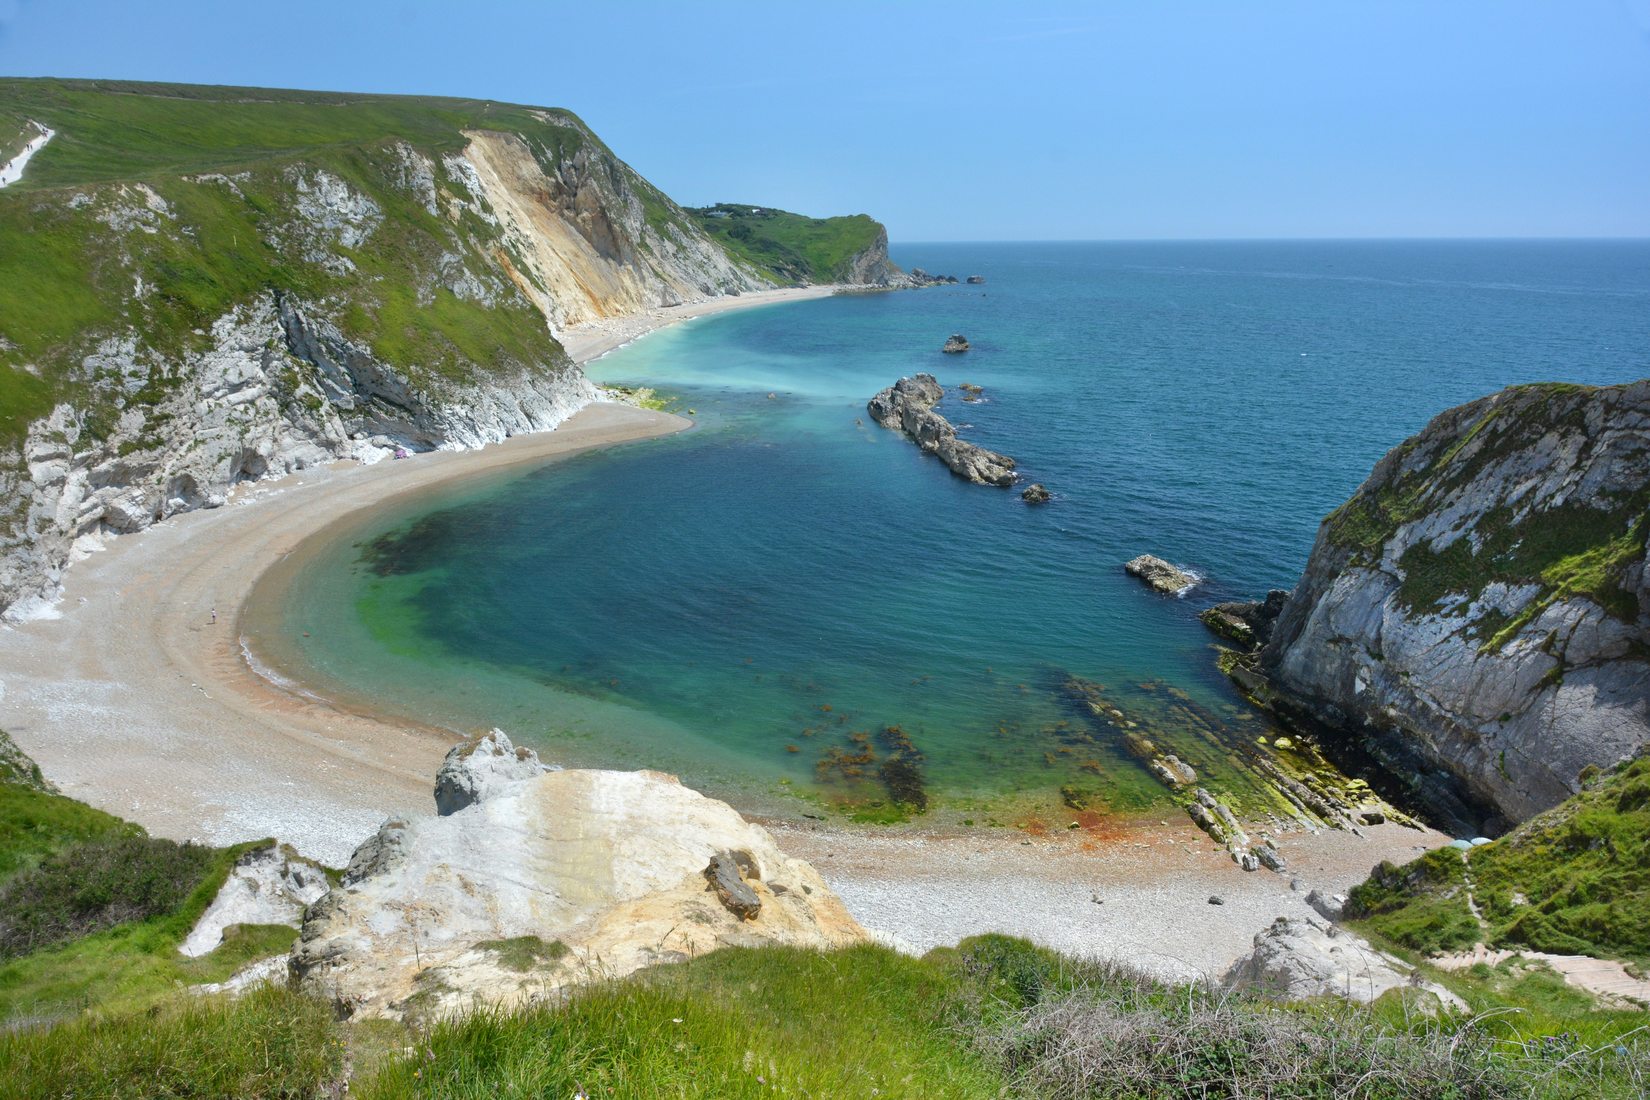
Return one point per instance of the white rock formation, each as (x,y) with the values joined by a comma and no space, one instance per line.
(269,885)
(1299,959)
(605,872)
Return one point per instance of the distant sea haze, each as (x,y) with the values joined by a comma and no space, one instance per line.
(737,603)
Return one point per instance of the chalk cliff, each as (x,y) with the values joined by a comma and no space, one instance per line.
(1480,605)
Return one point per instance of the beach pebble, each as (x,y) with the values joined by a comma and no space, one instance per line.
(1216,899)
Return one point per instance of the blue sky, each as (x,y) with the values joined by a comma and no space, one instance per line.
(960,120)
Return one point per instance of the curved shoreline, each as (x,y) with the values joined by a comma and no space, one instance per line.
(137,701)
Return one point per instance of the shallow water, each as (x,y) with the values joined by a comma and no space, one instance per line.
(736,602)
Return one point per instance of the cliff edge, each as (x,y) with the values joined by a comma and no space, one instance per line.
(1480,605)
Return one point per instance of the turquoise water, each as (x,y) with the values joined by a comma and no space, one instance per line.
(736,602)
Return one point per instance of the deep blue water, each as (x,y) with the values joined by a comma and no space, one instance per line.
(788,573)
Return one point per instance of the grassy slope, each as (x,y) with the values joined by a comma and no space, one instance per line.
(789,247)
(1574,880)
(132,964)
(993,1016)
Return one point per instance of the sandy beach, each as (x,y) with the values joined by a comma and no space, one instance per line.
(137,698)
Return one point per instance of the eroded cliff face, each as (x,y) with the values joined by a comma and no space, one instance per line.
(1481,604)
(209,328)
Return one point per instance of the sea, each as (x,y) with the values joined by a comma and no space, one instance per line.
(774,604)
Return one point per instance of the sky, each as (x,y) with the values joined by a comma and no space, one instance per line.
(965,120)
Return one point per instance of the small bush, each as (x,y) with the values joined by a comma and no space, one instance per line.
(96,885)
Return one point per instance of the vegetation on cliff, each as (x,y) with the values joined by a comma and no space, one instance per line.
(1577,546)
(794,248)
(1572,881)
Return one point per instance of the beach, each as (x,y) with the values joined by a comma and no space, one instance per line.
(138,699)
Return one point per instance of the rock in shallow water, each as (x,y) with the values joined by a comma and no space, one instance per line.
(1160,575)
(908,406)
(1036,494)
(956,343)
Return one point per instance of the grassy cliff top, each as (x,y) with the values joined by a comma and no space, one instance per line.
(111,130)
(1572,881)
(791,247)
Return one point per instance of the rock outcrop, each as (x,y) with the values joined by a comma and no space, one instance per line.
(955,344)
(908,406)
(1300,959)
(481,767)
(1480,608)
(1036,493)
(549,879)
(1159,575)
(268,885)
(1248,623)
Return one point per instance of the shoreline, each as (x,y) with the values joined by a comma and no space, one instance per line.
(140,701)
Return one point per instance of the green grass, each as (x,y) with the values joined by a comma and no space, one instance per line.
(524,953)
(1572,881)
(790,247)
(1422,905)
(36,822)
(271,1043)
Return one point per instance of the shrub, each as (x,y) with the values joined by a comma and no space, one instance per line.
(95,885)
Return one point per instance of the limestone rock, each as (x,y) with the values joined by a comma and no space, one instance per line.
(908,406)
(1299,959)
(622,869)
(955,344)
(1035,493)
(268,885)
(1160,575)
(480,767)
(1248,623)
(1443,622)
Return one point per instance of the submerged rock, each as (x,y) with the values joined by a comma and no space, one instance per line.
(1299,959)
(957,342)
(601,872)
(1160,575)
(908,406)
(1035,493)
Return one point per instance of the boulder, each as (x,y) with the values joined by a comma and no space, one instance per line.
(956,343)
(1160,575)
(1246,622)
(549,880)
(1301,958)
(485,763)
(976,280)
(1035,493)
